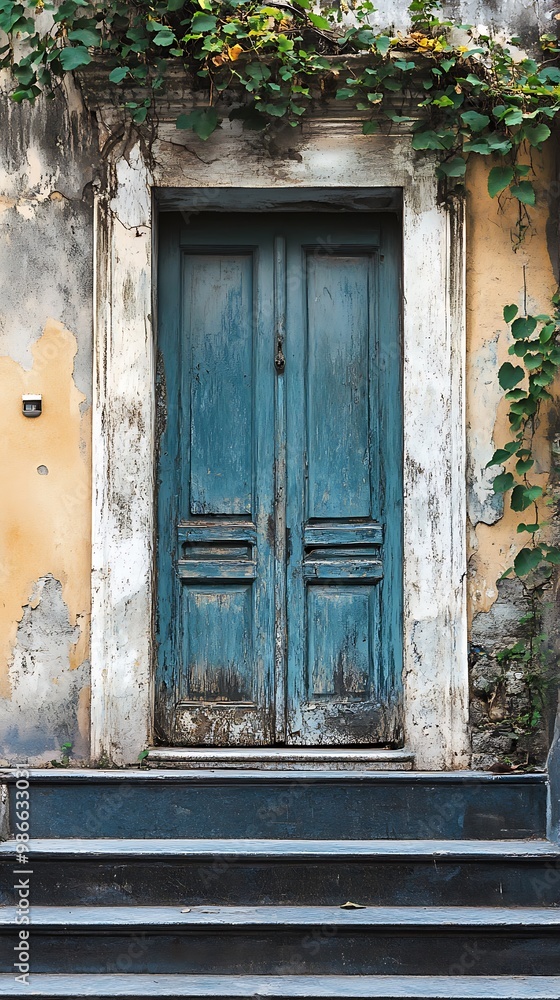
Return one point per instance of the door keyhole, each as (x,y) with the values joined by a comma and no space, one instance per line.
(280,360)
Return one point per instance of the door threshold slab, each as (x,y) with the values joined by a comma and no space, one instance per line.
(283,758)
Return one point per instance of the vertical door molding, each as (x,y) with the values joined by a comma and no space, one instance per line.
(123,467)
(331,155)
(435,643)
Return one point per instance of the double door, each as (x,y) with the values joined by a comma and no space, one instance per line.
(279,480)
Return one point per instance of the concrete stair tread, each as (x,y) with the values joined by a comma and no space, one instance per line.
(94,776)
(144,775)
(225,987)
(419,917)
(285,849)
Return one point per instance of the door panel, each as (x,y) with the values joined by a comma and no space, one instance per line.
(279,526)
(218,301)
(337,385)
(215,543)
(343,664)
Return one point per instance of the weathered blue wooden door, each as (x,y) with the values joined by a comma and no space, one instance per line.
(279,480)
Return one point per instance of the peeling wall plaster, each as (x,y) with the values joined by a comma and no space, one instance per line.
(49,700)
(511,17)
(47,154)
(47,157)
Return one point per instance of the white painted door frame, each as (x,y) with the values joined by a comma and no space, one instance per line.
(329,154)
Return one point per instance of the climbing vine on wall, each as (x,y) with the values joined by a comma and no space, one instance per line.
(457,91)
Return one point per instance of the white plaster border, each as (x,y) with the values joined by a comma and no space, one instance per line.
(329,155)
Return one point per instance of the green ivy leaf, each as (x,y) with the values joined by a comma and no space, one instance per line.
(504,454)
(165,38)
(527,560)
(499,179)
(503,483)
(382,44)
(203,121)
(475,121)
(523,327)
(319,22)
(509,375)
(547,333)
(522,466)
(276,110)
(550,74)
(523,496)
(75,57)
(524,192)
(427,140)
(139,116)
(533,361)
(117,75)
(542,379)
(536,134)
(510,312)
(86,36)
(513,117)
(453,168)
(23,95)
(530,528)
(203,22)
(525,407)
(369,128)
(481,146)
(397,118)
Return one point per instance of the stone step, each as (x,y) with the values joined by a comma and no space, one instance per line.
(277,758)
(316,872)
(273,941)
(277,987)
(331,805)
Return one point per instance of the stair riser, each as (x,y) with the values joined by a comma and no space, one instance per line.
(298,950)
(430,882)
(303,808)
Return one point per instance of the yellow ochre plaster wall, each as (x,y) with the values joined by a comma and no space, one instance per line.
(496,276)
(45,517)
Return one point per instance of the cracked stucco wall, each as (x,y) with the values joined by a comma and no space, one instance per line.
(46,158)
(499,275)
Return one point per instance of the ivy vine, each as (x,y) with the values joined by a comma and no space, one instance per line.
(457,91)
(527,385)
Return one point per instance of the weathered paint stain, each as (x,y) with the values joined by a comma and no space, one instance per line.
(44,517)
(46,704)
(497,276)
